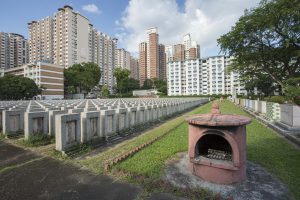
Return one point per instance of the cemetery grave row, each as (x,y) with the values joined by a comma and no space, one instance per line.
(285,118)
(80,121)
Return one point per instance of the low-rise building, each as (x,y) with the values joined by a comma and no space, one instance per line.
(49,77)
(145,93)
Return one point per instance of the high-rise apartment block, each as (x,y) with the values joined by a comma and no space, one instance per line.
(62,39)
(134,68)
(162,62)
(106,59)
(178,52)
(93,44)
(13,50)
(189,49)
(151,51)
(41,40)
(169,50)
(142,62)
(152,54)
(67,38)
(203,77)
(123,59)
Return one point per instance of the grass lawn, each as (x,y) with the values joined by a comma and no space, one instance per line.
(264,147)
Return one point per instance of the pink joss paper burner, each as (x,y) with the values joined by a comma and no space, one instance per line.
(217,146)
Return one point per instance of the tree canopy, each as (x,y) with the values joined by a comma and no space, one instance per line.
(83,76)
(292,88)
(148,84)
(17,87)
(266,40)
(132,84)
(160,85)
(125,84)
(105,91)
(261,81)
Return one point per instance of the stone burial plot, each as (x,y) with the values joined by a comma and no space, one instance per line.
(73,122)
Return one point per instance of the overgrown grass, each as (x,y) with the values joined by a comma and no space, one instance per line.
(38,140)
(264,146)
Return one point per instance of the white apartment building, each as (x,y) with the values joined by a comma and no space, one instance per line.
(93,44)
(170,51)
(123,59)
(62,39)
(13,50)
(67,38)
(41,40)
(184,77)
(202,77)
(191,48)
(106,59)
(71,37)
(187,41)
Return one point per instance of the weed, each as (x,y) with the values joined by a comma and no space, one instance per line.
(38,139)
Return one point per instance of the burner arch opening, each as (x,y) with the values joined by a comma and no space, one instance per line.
(214,146)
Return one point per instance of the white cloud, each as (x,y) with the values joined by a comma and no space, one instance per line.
(92,8)
(205,20)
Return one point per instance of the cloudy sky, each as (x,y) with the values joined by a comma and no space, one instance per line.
(205,20)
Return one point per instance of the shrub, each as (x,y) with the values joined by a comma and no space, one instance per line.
(275,99)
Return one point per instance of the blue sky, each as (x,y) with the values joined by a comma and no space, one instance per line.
(205,20)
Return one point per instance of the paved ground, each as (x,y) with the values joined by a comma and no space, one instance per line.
(260,185)
(25,175)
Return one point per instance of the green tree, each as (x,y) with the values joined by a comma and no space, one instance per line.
(122,76)
(84,76)
(160,85)
(292,90)
(71,90)
(163,89)
(264,85)
(17,87)
(148,84)
(105,91)
(266,39)
(132,84)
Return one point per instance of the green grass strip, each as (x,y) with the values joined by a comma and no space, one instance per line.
(96,163)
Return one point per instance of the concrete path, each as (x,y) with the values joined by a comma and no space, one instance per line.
(25,175)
